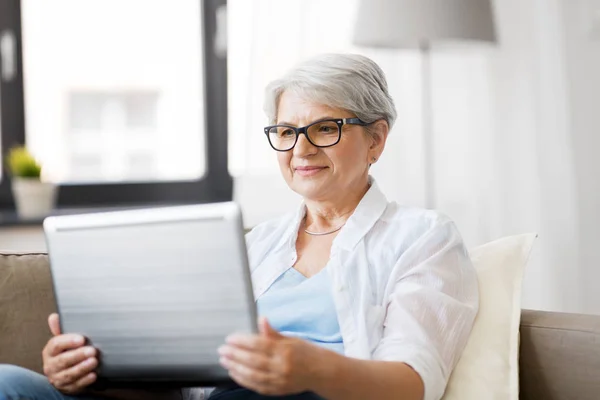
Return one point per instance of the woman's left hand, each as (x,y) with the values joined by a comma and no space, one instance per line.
(270,363)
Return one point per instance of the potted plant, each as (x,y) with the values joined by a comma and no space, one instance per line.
(33,197)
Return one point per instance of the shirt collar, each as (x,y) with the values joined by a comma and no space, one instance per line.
(366,214)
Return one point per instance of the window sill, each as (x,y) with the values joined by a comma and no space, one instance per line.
(10,218)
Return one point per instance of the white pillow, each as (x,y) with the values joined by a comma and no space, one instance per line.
(489,365)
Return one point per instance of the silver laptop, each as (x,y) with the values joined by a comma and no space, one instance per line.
(156,291)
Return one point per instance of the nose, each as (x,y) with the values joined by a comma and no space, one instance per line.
(304,148)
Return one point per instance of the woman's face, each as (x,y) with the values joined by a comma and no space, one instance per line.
(324,174)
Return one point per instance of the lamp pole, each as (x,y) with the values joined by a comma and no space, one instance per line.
(427,125)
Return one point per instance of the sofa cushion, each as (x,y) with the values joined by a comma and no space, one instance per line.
(26,300)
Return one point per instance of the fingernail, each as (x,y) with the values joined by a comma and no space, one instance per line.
(221,350)
(223,360)
(230,339)
(78,340)
(89,351)
(90,361)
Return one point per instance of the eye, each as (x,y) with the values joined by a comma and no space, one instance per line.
(287,133)
(326,128)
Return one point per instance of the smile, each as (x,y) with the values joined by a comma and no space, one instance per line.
(308,171)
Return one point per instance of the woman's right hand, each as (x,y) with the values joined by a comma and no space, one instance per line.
(68,364)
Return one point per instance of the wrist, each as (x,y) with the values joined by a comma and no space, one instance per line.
(325,369)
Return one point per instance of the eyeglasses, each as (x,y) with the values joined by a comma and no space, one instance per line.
(323,133)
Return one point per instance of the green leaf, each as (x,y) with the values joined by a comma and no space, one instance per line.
(22,164)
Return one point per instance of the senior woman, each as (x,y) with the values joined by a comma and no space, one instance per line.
(360,298)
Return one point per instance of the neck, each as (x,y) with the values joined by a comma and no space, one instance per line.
(330,214)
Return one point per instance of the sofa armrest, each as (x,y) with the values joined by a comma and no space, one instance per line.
(559,356)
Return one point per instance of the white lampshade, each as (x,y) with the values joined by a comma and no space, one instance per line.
(413,23)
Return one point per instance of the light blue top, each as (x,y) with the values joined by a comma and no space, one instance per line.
(303,307)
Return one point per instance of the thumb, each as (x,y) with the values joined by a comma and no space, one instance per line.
(266,329)
(54,324)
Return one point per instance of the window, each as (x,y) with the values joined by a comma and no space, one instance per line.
(136,86)
(100,122)
(118,98)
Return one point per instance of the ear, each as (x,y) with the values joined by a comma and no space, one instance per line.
(379,133)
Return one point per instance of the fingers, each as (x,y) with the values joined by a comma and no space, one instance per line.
(69,378)
(252,369)
(79,385)
(61,343)
(70,358)
(248,377)
(67,364)
(54,324)
(251,342)
(251,359)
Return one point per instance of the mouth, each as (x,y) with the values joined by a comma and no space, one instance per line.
(308,171)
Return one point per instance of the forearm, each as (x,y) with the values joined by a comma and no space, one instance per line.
(344,378)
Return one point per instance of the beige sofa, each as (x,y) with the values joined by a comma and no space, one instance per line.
(559,356)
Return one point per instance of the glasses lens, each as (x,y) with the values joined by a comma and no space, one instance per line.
(324,133)
(282,137)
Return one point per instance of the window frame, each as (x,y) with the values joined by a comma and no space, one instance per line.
(12,113)
(216,185)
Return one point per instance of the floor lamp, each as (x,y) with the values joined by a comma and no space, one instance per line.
(420,24)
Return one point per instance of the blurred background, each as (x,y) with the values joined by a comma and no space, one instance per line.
(143,102)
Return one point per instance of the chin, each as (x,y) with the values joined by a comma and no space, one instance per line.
(308,187)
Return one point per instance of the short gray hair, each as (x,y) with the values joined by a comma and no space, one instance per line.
(348,81)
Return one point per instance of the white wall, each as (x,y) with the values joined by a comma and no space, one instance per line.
(583,70)
(547,94)
(545,145)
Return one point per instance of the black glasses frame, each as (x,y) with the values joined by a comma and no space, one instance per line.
(302,130)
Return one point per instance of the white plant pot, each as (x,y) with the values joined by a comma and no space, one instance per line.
(33,198)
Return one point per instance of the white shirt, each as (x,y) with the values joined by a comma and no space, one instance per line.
(403,284)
